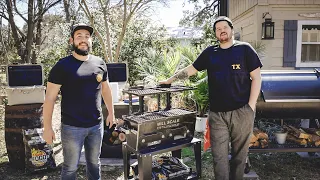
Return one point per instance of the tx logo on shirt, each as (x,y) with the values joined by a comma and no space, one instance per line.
(235,66)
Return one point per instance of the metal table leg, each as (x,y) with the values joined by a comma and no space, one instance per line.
(145,166)
(197,155)
(145,158)
(126,160)
(176,153)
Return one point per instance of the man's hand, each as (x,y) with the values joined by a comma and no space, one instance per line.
(49,135)
(111,120)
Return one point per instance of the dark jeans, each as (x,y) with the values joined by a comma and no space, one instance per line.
(73,139)
(235,126)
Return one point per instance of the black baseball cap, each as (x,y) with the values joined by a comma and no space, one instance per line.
(222,18)
(81,26)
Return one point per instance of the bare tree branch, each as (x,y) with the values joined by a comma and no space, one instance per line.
(104,10)
(86,10)
(198,16)
(45,9)
(17,11)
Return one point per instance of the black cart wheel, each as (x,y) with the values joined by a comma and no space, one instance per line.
(247,168)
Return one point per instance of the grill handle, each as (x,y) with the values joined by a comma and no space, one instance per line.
(180,131)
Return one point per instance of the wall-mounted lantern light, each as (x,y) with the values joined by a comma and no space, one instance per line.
(267,27)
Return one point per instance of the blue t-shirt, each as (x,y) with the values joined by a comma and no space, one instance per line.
(80,89)
(228,74)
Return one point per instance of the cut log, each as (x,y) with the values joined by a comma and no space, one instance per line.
(253,138)
(312,131)
(263,143)
(296,132)
(256,144)
(293,138)
(259,134)
(314,138)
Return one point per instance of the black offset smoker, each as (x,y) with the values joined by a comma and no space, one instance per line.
(286,95)
(290,94)
(152,133)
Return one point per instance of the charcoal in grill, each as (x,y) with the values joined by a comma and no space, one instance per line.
(141,92)
(178,111)
(166,113)
(152,116)
(164,86)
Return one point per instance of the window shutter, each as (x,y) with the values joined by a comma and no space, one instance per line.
(290,43)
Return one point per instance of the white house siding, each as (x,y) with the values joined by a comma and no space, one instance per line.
(279,13)
(237,7)
(251,22)
(245,25)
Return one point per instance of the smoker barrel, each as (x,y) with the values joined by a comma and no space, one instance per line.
(289,94)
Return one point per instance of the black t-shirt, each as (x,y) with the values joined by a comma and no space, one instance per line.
(228,74)
(80,90)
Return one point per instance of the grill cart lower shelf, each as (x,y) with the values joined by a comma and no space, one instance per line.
(273,147)
(145,157)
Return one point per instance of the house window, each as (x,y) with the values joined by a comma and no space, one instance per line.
(308,43)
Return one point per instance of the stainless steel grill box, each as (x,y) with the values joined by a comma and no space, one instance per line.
(155,128)
(151,129)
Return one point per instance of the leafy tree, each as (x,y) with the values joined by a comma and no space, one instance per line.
(140,36)
(203,11)
(29,41)
(124,11)
(55,45)
(160,65)
(7,48)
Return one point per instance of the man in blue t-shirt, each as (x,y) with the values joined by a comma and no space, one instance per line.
(82,79)
(234,79)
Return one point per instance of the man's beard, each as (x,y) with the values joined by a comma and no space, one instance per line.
(79,51)
(225,38)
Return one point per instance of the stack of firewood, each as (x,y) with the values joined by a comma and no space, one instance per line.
(303,136)
(259,139)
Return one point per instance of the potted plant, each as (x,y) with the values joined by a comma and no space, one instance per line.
(201,97)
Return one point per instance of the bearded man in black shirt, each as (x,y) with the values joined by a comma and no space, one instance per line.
(234,80)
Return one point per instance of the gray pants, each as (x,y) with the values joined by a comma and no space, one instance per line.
(235,126)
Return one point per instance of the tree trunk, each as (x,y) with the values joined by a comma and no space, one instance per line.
(120,39)
(108,35)
(30,30)
(17,41)
(86,10)
(37,42)
(66,4)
